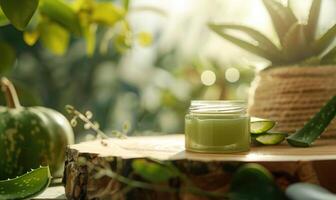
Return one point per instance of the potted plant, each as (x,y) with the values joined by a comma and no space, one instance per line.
(302,74)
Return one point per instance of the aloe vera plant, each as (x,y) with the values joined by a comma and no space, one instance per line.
(298,42)
(27,185)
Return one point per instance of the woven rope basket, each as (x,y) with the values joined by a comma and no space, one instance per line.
(292,95)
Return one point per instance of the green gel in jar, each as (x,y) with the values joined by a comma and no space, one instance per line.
(217,127)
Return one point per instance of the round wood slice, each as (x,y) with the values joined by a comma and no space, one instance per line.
(207,171)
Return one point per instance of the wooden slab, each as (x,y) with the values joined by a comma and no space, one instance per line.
(52,193)
(171,147)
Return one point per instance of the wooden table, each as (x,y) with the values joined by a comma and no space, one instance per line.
(171,147)
(296,162)
(55,193)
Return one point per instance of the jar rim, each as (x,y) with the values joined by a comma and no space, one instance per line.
(218,106)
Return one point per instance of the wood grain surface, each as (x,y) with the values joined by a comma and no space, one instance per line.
(171,147)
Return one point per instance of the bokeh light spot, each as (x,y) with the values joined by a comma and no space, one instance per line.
(232,75)
(208,77)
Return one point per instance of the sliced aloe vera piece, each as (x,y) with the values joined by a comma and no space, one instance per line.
(271,138)
(27,185)
(315,126)
(259,126)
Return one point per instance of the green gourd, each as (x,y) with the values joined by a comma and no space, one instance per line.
(30,136)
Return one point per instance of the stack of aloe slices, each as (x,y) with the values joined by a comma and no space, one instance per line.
(304,137)
(261,134)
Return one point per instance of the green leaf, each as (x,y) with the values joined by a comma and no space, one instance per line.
(27,185)
(19,12)
(31,37)
(295,44)
(7,57)
(313,18)
(60,12)
(322,44)
(126,4)
(3,19)
(152,171)
(315,126)
(253,181)
(90,38)
(255,49)
(32,33)
(107,14)
(282,17)
(54,37)
(329,58)
(262,40)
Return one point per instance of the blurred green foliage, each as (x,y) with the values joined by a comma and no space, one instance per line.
(299,44)
(74,55)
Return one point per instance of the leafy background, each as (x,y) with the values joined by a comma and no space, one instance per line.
(144,70)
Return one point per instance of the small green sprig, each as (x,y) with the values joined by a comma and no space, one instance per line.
(88,124)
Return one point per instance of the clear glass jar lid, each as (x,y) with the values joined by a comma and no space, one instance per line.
(218,107)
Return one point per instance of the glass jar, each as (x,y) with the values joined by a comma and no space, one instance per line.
(217,127)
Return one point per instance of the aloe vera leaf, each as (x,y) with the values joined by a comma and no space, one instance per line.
(259,126)
(255,49)
(323,42)
(330,57)
(295,44)
(262,40)
(315,126)
(61,13)
(27,185)
(308,191)
(271,138)
(313,18)
(282,17)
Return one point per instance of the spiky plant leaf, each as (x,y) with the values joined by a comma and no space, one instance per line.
(315,126)
(313,18)
(27,185)
(323,42)
(262,40)
(329,57)
(295,45)
(282,17)
(252,48)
